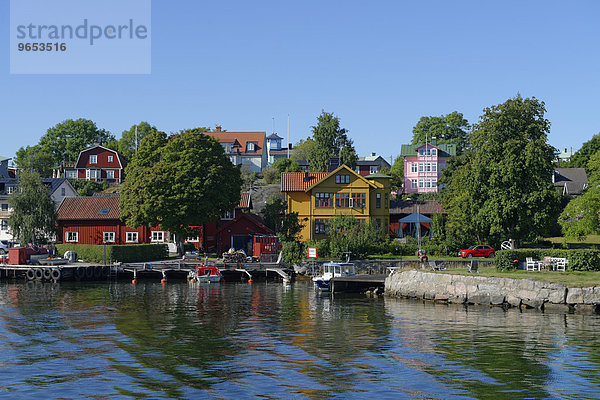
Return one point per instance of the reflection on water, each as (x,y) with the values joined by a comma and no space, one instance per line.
(265,340)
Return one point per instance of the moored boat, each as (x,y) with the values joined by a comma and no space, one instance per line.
(206,274)
(332,270)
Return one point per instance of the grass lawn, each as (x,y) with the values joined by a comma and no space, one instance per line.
(589,241)
(414,258)
(569,278)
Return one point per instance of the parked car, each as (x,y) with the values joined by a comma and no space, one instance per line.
(480,250)
(4,246)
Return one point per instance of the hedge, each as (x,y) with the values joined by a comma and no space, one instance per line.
(121,253)
(579,259)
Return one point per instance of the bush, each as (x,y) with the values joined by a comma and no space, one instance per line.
(579,259)
(293,252)
(120,253)
(322,246)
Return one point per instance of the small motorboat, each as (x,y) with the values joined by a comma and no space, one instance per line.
(205,274)
(332,270)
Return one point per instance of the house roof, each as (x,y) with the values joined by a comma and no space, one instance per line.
(54,183)
(572,180)
(85,208)
(252,218)
(4,158)
(274,136)
(242,139)
(377,175)
(119,157)
(410,206)
(335,171)
(445,149)
(299,181)
(372,160)
(280,152)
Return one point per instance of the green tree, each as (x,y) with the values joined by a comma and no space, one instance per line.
(87,188)
(593,169)
(582,156)
(330,141)
(274,212)
(397,172)
(33,219)
(34,159)
(503,189)
(302,149)
(450,128)
(66,140)
(347,234)
(179,182)
(130,139)
(581,217)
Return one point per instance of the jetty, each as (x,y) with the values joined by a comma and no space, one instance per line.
(358,283)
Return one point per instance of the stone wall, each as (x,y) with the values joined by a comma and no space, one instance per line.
(381,266)
(472,289)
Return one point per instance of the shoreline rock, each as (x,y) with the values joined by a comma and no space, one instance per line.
(492,291)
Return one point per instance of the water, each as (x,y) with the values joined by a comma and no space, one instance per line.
(99,340)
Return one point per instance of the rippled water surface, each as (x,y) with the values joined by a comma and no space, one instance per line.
(265,340)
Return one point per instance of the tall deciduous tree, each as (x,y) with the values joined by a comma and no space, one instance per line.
(66,140)
(581,217)
(130,139)
(582,156)
(504,187)
(33,219)
(330,141)
(397,172)
(302,149)
(450,128)
(177,182)
(34,159)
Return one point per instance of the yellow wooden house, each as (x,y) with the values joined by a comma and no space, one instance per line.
(319,196)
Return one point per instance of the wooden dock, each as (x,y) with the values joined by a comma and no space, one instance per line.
(159,270)
(358,283)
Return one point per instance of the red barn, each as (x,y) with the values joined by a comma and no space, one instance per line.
(94,220)
(99,164)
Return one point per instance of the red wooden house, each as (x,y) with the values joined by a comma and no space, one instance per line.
(235,230)
(95,220)
(97,163)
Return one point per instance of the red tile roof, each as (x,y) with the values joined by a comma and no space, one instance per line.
(242,139)
(299,181)
(84,208)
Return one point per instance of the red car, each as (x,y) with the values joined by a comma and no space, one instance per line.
(480,250)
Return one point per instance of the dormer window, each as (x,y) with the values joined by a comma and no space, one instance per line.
(251,146)
(94,159)
(110,158)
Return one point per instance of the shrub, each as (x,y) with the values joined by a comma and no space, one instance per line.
(579,259)
(121,253)
(293,252)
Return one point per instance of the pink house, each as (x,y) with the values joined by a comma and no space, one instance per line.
(423,165)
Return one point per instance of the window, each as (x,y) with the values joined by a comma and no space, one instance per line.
(421,152)
(110,174)
(228,214)
(110,158)
(427,167)
(321,225)
(131,237)
(11,189)
(63,192)
(378,200)
(413,184)
(251,146)
(324,200)
(4,207)
(158,236)
(420,167)
(421,183)
(94,159)
(3,225)
(342,200)
(373,169)
(72,237)
(378,223)
(109,237)
(427,183)
(358,200)
(386,200)
(434,183)
(433,152)
(357,169)
(71,174)
(433,167)
(413,167)
(342,179)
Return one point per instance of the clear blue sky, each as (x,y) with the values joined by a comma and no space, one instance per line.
(378,65)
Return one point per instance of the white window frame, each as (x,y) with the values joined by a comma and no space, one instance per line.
(433,152)
(93,159)
(4,207)
(433,167)
(108,237)
(157,236)
(3,224)
(421,183)
(71,174)
(131,237)
(110,174)
(373,169)
(228,215)
(414,167)
(88,174)
(414,184)
(421,167)
(251,146)
(110,158)
(72,236)
(10,189)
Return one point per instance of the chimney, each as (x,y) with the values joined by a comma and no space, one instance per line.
(218,128)
(305,176)
(373,154)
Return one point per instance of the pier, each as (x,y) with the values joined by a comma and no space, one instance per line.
(358,283)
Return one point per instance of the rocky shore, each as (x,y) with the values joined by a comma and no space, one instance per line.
(508,292)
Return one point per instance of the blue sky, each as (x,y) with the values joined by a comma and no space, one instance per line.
(378,65)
